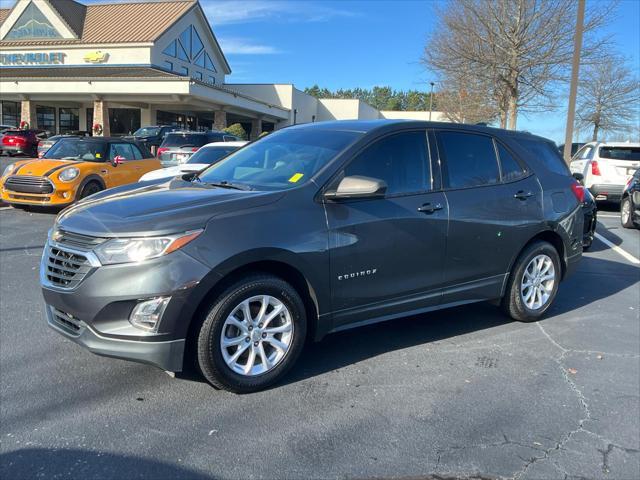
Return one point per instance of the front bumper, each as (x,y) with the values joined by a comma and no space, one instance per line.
(606,192)
(94,312)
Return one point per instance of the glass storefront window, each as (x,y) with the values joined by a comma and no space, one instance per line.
(90,120)
(46,118)
(124,121)
(69,119)
(10,114)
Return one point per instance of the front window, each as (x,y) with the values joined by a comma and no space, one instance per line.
(631,154)
(146,132)
(210,155)
(282,160)
(77,149)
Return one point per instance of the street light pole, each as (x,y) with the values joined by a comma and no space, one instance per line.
(431,100)
(573,89)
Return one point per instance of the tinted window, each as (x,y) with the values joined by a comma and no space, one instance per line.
(121,150)
(137,154)
(470,160)
(76,149)
(546,154)
(211,154)
(511,169)
(400,160)
(620,153)
(282,160)
(185,140)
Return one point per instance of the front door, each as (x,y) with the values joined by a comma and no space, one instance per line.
(387,254)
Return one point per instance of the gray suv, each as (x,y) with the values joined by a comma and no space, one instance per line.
(311,230)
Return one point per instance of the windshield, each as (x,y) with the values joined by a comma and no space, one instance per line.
(280,160)
(211,155)
(146,132)
(185,140)
(77,149)
(620,153)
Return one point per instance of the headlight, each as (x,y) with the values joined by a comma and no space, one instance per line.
(126,250)
(68,174)
(8,170)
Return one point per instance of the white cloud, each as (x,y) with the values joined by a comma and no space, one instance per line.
(222,12)
(243,46)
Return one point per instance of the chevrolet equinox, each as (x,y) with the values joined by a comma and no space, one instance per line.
(311,230)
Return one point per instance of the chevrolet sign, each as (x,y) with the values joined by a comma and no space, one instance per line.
(50,58)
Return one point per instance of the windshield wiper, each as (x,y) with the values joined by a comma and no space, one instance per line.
(226,184)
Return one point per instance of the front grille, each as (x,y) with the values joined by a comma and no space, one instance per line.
(28,184)
(76,240)
(66,321)
(65,269)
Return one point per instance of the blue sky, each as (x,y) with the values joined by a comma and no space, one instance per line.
(345,44)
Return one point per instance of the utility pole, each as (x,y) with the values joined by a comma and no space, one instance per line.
(573,89)
(431,101)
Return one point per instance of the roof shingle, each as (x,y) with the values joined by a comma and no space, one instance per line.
(105,22)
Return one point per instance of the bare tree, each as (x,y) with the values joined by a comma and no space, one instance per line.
(609,98)
(519,49)
(464,101)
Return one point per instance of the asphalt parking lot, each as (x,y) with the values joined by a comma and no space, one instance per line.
(462,393)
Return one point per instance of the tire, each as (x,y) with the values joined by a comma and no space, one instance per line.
(216,362)
(626,218)
(89,189)
(514,303)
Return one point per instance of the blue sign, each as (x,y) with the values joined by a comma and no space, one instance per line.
(50,58)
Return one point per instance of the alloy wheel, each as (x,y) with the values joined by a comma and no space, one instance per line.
(538,282)
(256,335)
(626,211)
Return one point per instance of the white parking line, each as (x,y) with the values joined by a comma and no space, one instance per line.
(5,208)
(606,215)
(618,250)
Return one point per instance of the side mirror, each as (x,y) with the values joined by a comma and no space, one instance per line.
(578,176)
(357,186)
(117,160)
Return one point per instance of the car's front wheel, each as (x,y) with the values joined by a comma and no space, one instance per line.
(252,335)
(625,213)
(533,282)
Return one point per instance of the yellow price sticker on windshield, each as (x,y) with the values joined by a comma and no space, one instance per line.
(296,177)
(98,155)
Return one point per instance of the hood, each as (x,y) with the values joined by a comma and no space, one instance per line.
(41,167)
(156,208)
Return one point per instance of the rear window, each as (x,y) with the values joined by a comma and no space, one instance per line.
(211,155)
(185,140)
(620,153)
(547,154)
(17,133)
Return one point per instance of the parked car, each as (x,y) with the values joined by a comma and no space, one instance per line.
(207,155)
(177,147)
(575,146)
(74,168)
(4,128)
(313,229)
(153,136)
(606,167)
(630,204)
(44,145)
(22,142)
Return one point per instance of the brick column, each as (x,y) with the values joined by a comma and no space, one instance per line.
(256,128)
(101,116)
(219,120)
(28,113)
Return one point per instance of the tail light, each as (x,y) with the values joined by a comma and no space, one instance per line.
(14,140)
(194,149)
(578,191)
(595,168)
(161,150)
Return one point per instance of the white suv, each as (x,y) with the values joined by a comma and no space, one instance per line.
(606,167)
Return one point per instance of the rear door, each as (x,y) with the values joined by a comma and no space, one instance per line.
(386,254)
(494,208)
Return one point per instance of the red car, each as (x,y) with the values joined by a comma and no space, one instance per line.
(15,142)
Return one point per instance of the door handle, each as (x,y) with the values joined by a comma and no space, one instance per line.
(430,208)
(522,195)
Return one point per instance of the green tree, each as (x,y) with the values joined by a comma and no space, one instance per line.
(237,130)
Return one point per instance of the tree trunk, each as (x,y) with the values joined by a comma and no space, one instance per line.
(503,118)
(513,112)
(594,137)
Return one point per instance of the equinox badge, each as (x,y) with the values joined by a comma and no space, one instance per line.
(361,273)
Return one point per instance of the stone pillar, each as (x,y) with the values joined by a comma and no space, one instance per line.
(256,128)
(148,117)
(28,113)
(219,119)
(101,116)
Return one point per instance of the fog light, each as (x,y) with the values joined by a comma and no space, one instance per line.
(146,315)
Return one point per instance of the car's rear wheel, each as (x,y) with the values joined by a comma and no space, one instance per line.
(89,189)
(533,282)
(625,213)
(252,335)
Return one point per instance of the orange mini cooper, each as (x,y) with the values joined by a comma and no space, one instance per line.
(74,168)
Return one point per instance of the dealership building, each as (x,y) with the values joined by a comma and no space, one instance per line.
(68,66)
